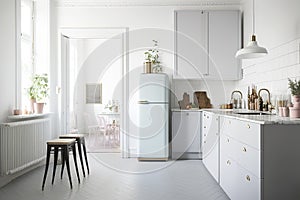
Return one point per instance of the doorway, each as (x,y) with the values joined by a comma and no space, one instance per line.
(94,65)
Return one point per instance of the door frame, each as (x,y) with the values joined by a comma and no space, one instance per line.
(66,33)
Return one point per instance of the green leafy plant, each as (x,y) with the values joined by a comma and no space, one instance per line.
(152,55)
(31,92)
(294,86)
(39,89)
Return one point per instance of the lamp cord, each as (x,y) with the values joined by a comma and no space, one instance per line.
(253,22)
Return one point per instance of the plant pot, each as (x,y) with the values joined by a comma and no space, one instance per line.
(39,108)
(296,101)
(296,98)
(31,109)
(147,67)
(294,112)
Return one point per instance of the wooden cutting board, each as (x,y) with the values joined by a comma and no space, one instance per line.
(200,98)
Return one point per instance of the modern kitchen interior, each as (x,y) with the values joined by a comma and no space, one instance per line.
(127,99)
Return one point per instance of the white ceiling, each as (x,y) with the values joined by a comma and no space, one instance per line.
(147,2)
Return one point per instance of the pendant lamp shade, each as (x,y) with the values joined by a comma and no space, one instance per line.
(252,50)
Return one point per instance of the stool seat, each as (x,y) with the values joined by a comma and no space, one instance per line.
(61,141)
(72,136)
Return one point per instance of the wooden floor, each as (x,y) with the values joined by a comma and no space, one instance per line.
(113,178)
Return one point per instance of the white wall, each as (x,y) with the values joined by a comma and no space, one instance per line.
(7,57)
(277,29)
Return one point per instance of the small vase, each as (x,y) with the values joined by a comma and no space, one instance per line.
(147,67)
(157,68)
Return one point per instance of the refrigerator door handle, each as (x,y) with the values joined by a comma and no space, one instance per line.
(143,102)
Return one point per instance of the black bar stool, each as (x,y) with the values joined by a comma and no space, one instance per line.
(63,145)
(80,141)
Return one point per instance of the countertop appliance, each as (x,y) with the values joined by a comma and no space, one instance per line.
(153,119)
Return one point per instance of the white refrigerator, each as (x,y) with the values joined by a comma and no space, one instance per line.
(153,117)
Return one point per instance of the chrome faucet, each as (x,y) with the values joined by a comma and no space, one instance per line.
(260,101)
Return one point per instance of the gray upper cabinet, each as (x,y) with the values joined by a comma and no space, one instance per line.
(224,41)
(206,43)
(191,44)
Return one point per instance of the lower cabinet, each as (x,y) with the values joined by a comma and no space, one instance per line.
(237,182)
(210,143)
(252,160)
(240,159)
(186,135)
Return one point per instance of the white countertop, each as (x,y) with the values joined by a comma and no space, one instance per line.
(261,119)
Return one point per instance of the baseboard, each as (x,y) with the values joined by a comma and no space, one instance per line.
(186,156)
(4,180)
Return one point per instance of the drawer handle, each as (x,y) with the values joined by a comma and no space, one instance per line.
(244,149)
(204,127)
(227,139)
(204,115)
(207,117)
(228,162)
(204,134)
(204,141)
(248,178)
(248,126)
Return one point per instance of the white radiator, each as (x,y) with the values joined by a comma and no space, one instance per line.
(22,144)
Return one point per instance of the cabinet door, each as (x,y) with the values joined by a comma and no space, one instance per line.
(185,133)
(224,42)
(210,144)
(191,44)
(235,178)
(237,182)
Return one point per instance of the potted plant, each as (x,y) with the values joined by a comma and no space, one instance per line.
(39,91)
(152,59)
(295,90)
(32,97)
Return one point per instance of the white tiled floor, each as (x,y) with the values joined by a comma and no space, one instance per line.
(113,178)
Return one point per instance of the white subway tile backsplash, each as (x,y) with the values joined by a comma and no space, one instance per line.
(273,70)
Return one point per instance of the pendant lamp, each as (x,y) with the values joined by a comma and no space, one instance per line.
(252,50)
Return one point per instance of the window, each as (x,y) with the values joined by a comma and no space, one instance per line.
(27,48)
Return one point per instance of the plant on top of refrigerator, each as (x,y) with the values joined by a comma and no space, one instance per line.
(152,55)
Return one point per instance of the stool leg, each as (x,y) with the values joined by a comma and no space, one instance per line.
(75,161)
(80,155)
(85,156)
(66,157)
(55,163)
(62,163)
(47,165)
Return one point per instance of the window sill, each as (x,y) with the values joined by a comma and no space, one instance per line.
(27,117)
